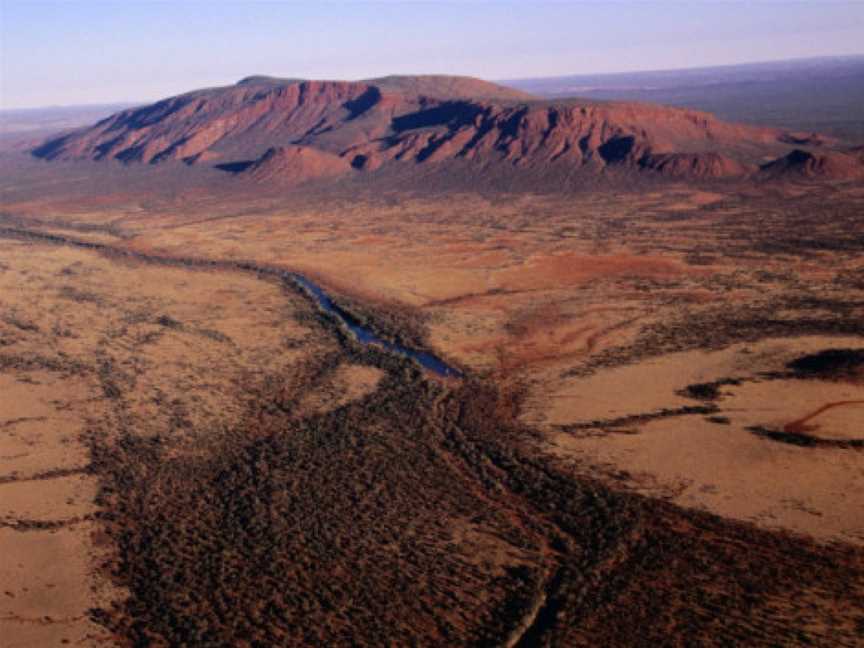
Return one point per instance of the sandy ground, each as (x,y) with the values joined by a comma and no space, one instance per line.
(91,345)
(713,461)
(595,311)
(46,502)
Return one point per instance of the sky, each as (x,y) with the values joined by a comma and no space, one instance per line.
(88,51)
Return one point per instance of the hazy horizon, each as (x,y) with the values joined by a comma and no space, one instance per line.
(133,102)
(91,53)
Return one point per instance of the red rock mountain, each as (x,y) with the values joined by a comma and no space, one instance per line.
(701,165)
(296,164)
(294,130)
(828,164)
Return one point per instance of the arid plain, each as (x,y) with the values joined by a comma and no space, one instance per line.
(656,437)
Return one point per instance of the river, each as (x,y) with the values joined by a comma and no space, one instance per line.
(365,336)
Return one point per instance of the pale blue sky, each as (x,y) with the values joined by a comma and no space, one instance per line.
(88,51)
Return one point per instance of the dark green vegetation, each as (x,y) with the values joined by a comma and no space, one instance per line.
(333,530)
(830,363)
(708,391)
(806,440)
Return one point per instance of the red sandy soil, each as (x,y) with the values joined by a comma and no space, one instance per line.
(800,426)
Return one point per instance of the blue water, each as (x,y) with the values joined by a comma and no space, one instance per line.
(365,336)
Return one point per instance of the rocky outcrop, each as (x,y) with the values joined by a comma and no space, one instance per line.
(296,164)
(318,127)
(829,165)
(186,126)
(695,165)
(535,134)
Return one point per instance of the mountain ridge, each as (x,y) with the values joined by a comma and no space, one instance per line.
(430,119)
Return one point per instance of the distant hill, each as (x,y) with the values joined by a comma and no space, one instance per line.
(289,131)
(54,118)
(820,94)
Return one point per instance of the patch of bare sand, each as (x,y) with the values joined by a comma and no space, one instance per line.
(838,420)
(734,473)
(88,341)
(69,497)
(349,382)
(484,548)
(46,559)
(507,332)
(715,461)
(44,577)
(568,268)
(36,433)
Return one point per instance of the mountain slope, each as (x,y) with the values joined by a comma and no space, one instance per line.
(832,165)
(424,120)
(578,133)
(296,164)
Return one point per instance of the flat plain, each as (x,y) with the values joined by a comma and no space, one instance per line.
(222,460)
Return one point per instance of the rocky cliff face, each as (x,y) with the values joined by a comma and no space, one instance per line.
(365,125)
(699,165)
(189,125)
(596,135)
